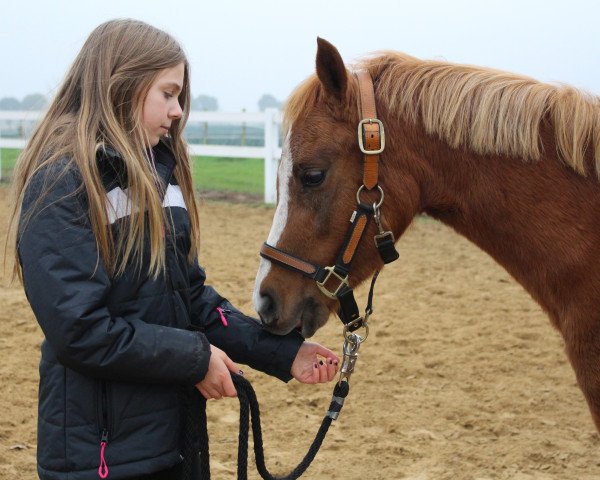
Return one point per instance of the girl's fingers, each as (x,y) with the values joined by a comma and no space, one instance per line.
(331,369)
(231,365)
(327,369)
(322,371)
(214,393)
(209,393)
(315,374)
(325,352)
(228,387)
(204,392)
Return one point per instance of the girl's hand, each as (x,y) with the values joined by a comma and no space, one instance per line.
(217,383)
(309,368)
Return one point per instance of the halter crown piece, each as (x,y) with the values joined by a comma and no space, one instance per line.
(333,280)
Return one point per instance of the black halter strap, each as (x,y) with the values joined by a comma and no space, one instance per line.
(332,281)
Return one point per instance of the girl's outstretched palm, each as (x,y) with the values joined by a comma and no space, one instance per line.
(314,364)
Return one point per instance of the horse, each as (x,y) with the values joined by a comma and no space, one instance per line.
(511,163)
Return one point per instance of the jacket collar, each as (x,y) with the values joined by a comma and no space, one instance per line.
(161,153)
(112,168)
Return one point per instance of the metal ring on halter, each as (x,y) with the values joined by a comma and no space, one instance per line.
(378,204)
(351,336)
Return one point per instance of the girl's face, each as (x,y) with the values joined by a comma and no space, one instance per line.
(161,105)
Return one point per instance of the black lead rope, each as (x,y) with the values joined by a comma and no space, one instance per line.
(195,426)
(196,462)
(250,415)
(249,411)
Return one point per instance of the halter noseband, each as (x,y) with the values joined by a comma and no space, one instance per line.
(333,280)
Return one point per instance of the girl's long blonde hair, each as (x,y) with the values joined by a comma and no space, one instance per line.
(99,105)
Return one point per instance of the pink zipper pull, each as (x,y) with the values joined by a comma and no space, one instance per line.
(103,468)
(223,319)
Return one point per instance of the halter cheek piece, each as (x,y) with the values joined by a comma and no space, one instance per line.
(333,280)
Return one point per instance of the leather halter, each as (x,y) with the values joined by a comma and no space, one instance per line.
(333,280)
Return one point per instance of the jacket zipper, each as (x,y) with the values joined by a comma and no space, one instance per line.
(222,312)
(103,468)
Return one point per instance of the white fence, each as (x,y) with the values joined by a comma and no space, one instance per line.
(270,152)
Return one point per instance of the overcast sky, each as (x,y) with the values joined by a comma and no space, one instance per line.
(242,49)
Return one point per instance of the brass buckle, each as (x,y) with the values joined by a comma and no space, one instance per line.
(323,288)
(381,135)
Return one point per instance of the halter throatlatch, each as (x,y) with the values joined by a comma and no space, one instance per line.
(333,281)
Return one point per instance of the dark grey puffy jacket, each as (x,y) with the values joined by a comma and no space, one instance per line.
(117,350)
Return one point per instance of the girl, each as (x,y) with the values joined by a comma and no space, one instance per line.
(106,236)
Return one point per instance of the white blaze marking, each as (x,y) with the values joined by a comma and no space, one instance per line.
(280,218)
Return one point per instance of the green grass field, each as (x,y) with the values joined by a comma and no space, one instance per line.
(8,157)
(243,175)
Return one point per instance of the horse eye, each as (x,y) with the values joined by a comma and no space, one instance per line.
(313,178)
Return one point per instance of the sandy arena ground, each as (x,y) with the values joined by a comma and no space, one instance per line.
(462,377)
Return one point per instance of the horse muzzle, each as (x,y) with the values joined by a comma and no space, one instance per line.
(306,315)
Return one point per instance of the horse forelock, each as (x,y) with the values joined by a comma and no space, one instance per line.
(296,106)
(486,110)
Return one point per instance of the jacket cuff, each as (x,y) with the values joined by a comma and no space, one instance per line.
(284,355)
(202,355)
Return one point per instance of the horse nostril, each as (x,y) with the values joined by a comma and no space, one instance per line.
(266,310)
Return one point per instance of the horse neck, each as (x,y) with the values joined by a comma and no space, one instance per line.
(539,220)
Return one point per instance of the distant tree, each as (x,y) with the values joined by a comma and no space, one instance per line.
(205,102)
(268,101)
(9,103)
(34,101)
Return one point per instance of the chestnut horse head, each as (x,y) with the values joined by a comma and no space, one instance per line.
(320,173)
(463,144)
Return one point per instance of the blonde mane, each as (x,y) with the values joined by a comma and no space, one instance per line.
(486,110)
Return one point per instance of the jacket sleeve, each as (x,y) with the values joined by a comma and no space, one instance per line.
(67,287)
(243,338)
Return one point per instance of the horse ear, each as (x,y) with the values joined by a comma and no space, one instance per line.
(331,70)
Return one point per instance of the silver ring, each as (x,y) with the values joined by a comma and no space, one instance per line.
(377,205)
